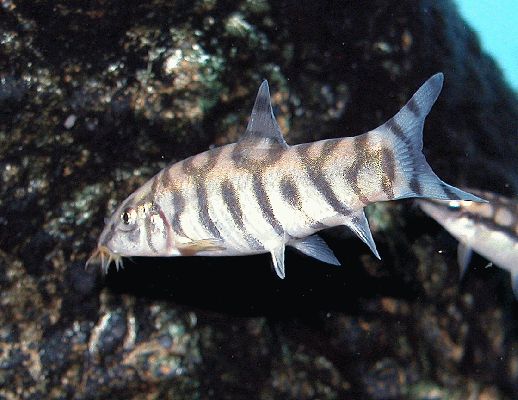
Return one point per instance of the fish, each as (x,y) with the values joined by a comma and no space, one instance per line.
(259,195)
(490,229)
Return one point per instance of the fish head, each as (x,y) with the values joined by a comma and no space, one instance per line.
(136,228)
(443,209)
(455,215)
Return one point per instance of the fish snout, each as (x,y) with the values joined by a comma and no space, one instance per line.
(103,254)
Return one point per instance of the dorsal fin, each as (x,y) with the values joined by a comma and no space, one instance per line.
(262,130)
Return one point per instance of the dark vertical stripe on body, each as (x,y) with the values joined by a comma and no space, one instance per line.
(204,216)
(291,195)
(165,180)
(256,163)
(360,161)
(149,200)
(323,186)
(178,208)
(318,226)
(154,186)
(231,199)
(388,170)
(198,173)
(232,202)
(265,205)
(169,239)
(314,170)
(177,201)
(382,160)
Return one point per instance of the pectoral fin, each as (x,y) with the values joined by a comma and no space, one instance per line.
(315,247)
(278,261)
(464,253)
(197,246)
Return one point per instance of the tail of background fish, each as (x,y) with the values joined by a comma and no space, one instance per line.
(404,134)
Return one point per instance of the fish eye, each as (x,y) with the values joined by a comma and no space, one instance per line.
(454,205)
(128,216)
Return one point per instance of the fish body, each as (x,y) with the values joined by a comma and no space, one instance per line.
(490,229)
(259,195)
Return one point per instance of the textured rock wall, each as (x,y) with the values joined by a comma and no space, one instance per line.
(95,97)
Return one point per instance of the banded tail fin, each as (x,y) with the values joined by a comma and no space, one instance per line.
(404,132)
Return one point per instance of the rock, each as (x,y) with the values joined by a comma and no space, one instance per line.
(97,97)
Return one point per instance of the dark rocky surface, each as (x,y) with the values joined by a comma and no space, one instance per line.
(95,97)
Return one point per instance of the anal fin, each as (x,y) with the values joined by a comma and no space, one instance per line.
(464,253)
(314,246)
(360,226)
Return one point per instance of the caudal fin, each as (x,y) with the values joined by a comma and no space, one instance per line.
(404,132)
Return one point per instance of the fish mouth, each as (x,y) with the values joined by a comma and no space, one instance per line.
(104,256)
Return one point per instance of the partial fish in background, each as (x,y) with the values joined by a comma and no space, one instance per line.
(259,195)
(490,229)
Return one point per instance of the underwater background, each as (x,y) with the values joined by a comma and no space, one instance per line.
(96,97)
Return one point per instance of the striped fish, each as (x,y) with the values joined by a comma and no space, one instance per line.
(259,195)
(490,229)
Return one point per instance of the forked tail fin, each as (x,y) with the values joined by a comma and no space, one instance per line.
(404,133)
